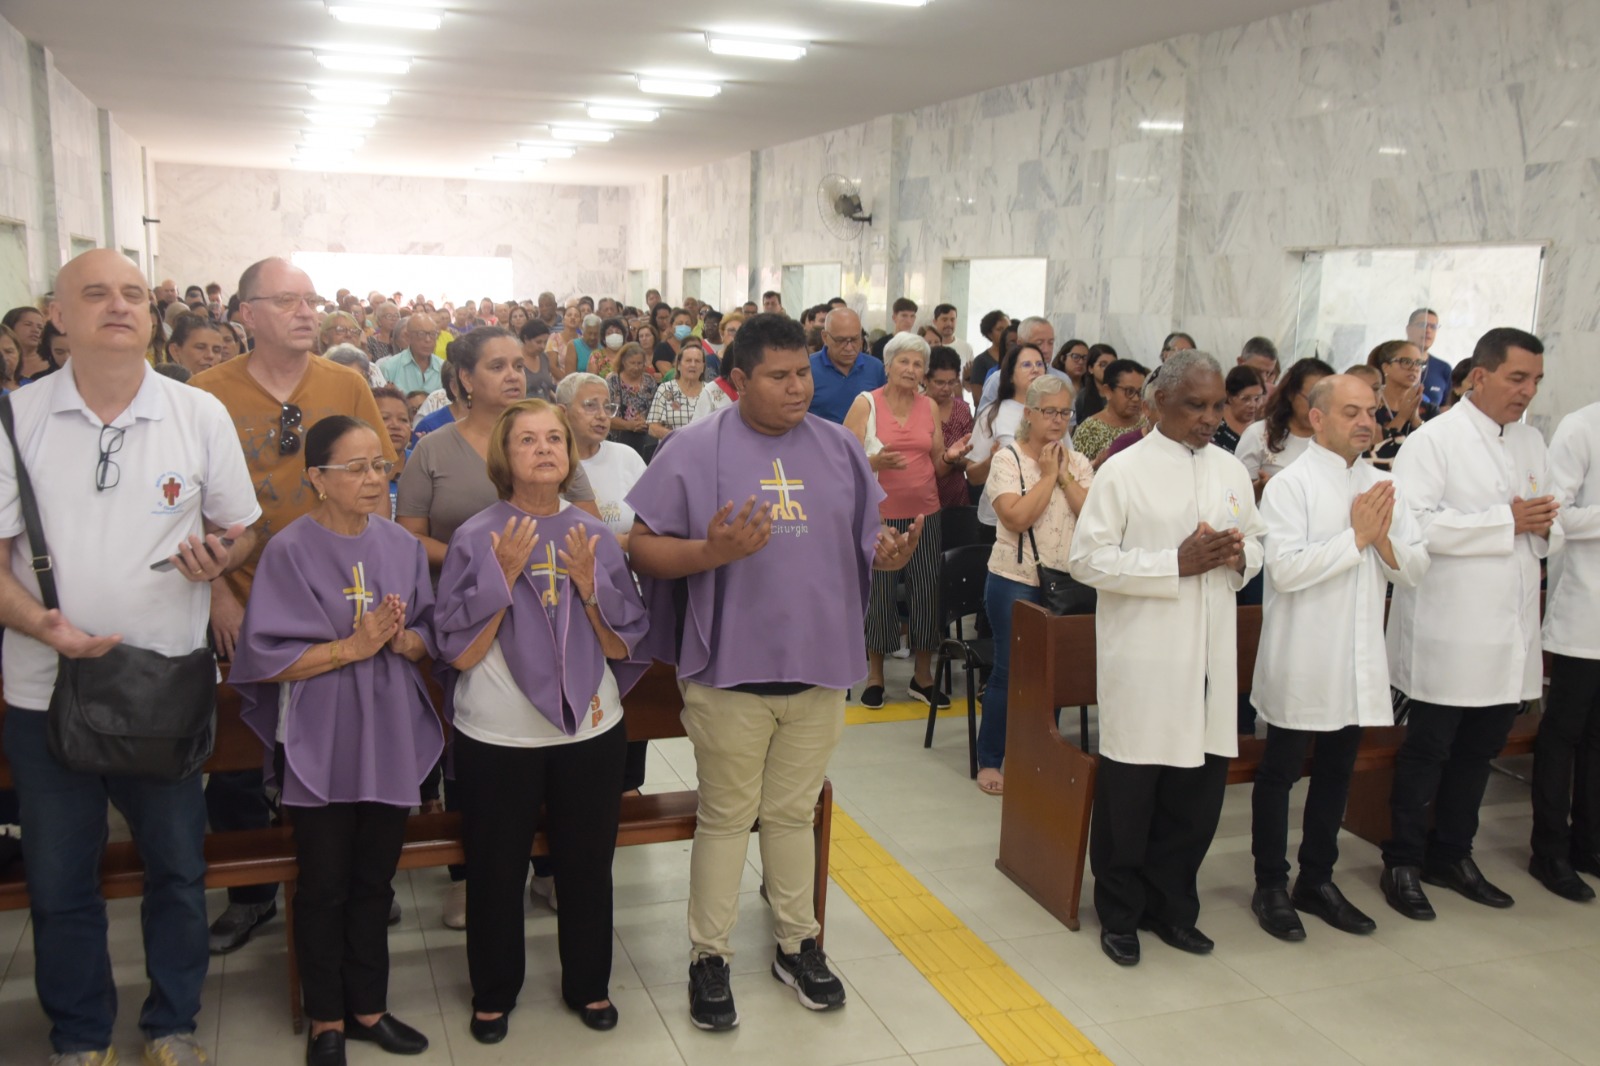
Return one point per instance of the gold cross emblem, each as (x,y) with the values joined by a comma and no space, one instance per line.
(787,508)
(550,596)
(358,593)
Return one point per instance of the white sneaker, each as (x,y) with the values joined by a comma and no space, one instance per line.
(455,906)
(179,1049)
(542,888)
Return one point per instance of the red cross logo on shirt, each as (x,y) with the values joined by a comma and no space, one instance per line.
(170,489)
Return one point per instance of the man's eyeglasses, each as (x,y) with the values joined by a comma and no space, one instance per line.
(106,471)
(361,467)
(841,342)
(286,301)
(289,418)
(1055,412)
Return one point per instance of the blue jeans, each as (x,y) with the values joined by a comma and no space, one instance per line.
(63,839)
(998,596)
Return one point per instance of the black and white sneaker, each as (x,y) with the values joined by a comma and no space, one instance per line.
(806,971)
(872,697)
(928,694)
(710,995)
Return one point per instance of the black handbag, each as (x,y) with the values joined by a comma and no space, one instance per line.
(1059,591)
(131,712)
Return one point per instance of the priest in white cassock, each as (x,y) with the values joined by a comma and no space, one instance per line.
(1336,536)
(1168,534)
(1566,755)
(1464,644)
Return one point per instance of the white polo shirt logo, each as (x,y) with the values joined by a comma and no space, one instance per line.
(170,486)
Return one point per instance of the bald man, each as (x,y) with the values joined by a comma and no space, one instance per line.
(139,467)
(1335,539)
(842,371)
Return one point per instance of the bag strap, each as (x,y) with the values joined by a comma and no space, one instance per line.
(1022,486)
(40,563)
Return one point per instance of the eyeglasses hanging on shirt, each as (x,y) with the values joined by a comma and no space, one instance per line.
(106,471)
(289,418)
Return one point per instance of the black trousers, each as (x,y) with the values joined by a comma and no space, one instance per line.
(1443,764)
(1151,828)
(347,854)
(1333,757)
(237,799)
(502,788)
(1566,762)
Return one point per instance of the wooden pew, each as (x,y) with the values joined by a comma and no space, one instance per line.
(1045,811)
(260,856)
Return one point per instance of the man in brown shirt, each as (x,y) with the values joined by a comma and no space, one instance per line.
(274,395)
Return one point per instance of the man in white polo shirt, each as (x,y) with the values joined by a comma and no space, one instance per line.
(129,467)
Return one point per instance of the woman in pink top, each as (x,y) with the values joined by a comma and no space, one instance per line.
(905,444)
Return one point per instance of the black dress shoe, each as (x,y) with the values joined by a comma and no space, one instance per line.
(1559,877)
(1464,877)
(603,1019)
(1402,887)
(1586,862)
(1276,914)
(1328,903)
(1120,948)
(325,1049)
(389,1033)
(489,1030)
(1187,939)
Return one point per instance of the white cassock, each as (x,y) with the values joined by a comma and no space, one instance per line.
(1468,634)
(1321,665)
(1165,645)
(1572,605)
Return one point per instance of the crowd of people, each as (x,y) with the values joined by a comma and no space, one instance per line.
(536,501)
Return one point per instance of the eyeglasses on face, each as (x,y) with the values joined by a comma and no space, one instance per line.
(361,467)
(286,301)
(1411,364)
(841,342)
(591,407)
(289,419)
(1132,392)
(1055,412)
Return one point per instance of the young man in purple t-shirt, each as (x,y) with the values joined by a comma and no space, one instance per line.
(773,595)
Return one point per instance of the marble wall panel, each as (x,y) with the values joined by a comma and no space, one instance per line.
(75,142)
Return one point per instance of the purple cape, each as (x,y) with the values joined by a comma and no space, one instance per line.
(557,664)
(365,732)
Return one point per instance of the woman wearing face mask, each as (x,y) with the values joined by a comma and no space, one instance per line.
(666,353)
(613,336)
(674,403)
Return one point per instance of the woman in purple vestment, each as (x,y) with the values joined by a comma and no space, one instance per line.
(340,613)
(538,611)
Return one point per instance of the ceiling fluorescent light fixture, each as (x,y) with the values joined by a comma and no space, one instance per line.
(358,62)
(1389,149)
(750,48)
(677,87)
(590,134)
(897,3)
(545,151)
(387,16)
(610,113)
(346,120)
(365,95)
(1151,125)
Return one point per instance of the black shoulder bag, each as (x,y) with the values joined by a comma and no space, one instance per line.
(1059,591)
(131,712)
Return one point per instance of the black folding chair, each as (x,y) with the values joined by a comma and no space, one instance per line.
(958,527)
(963,573)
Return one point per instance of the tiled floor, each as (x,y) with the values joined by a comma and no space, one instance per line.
(1476,986)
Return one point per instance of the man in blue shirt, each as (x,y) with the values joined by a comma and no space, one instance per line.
(416,368)
(1421,329)
(841,372)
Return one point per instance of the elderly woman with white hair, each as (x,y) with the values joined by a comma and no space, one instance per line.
(356,359)
(900,429)
(1038,485)
(575,360)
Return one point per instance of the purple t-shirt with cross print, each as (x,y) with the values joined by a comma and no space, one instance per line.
(793,612)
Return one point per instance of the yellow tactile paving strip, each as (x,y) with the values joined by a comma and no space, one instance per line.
(900,711)
(1014,1020)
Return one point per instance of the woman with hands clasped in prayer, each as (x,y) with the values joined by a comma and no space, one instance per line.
(340,612)
(537,610)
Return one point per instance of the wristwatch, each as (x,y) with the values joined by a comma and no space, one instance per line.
(593,600)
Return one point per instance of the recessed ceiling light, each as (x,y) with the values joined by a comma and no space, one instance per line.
(751,48)
(367,95)
(390,17)
(360,62)
(348,120)
(591,134)
(610,113)
(546,151)
(341,139)
(677,87)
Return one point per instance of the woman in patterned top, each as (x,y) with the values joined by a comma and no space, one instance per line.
(1401,406)
(632,391)
(943,387)
(1124,381)
(1246,392)
(673,406)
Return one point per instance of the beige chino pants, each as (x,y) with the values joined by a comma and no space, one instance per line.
(757,757)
